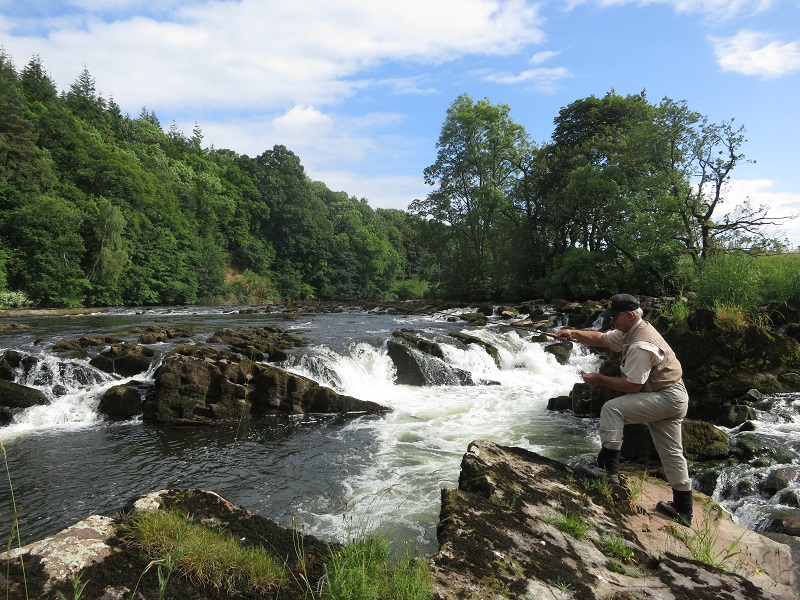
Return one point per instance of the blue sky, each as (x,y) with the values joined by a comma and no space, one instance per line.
(358,89)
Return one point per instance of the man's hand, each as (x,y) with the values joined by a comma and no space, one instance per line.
(563,335)
(593,379)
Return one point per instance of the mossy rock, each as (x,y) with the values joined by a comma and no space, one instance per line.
(701,442)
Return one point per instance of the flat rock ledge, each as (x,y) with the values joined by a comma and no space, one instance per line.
(521,526)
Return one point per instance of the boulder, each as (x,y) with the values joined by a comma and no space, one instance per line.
(471,339)
(521,526)
(14,395)
(735,415)
(560,350)
(154,334)
(107,564)
(477,318)
(126,359)
(121,402)
(201,385)
(414,366)
(258,343)
(779,479)
(84,342)
(701,441)
(9,362)
(725,363)
(407,368)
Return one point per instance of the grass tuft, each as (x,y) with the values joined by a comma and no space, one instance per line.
(207,558)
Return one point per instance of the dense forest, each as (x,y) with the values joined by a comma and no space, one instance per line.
(98,208)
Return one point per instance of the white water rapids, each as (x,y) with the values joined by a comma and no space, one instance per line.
(381,473)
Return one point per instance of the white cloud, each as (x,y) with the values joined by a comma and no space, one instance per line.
(542,79)
(382,191)
(268,55)
(782,205)
(719,9)
(541,57)
(755,53)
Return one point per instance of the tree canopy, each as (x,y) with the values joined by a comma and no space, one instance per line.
(101,208)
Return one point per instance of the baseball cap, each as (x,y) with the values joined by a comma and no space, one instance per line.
(620,303)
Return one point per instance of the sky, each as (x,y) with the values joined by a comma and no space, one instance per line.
(359,89)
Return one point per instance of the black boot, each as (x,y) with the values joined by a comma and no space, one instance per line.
(607,467)
(680,509)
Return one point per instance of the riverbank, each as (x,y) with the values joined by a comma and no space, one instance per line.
(15,313)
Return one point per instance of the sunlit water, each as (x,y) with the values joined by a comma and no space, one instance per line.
(333,473)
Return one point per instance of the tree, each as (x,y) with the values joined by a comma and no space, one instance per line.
(703,156)
(111,258)
(47,252)
(476,166)
(603,183)
(299,225)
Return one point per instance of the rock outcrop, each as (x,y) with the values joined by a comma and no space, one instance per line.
(520,526)
(202,385)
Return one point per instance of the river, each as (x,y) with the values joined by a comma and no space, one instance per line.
(336,474)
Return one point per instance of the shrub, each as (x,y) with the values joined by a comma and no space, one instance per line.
(9,299)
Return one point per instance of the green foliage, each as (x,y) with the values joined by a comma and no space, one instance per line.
(173,542)
(362,570)
(9,299)
(410,289)
(580,274)
(702,544)
(574,525)
(729,279)
(616,547)
(101,208)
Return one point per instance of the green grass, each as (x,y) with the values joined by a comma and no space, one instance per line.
(362,571)
(616,547)
(702,541)
(574,525)
(740,282)
(207,558)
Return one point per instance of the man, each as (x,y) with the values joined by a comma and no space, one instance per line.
(654,394)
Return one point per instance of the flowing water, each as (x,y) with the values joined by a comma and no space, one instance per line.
(333,473)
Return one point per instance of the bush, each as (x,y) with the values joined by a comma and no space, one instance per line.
(410,289)
(9,299)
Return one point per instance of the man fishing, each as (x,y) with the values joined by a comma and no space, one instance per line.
(654,394)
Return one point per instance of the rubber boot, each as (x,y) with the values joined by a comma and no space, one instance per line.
(607,467)
(680,509)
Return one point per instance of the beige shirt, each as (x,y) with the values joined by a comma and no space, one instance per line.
(641,357)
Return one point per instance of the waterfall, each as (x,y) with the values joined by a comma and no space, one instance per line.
(73,388)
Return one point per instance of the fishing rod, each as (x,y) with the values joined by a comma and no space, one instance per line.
(532,329)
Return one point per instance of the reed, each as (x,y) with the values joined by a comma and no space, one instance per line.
(14,529)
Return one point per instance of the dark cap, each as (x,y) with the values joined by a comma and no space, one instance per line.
(620,303)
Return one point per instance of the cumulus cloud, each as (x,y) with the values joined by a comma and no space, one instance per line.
(782,205)
(273,54)
(754,53)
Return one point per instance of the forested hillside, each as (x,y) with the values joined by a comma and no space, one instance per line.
(100,208)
